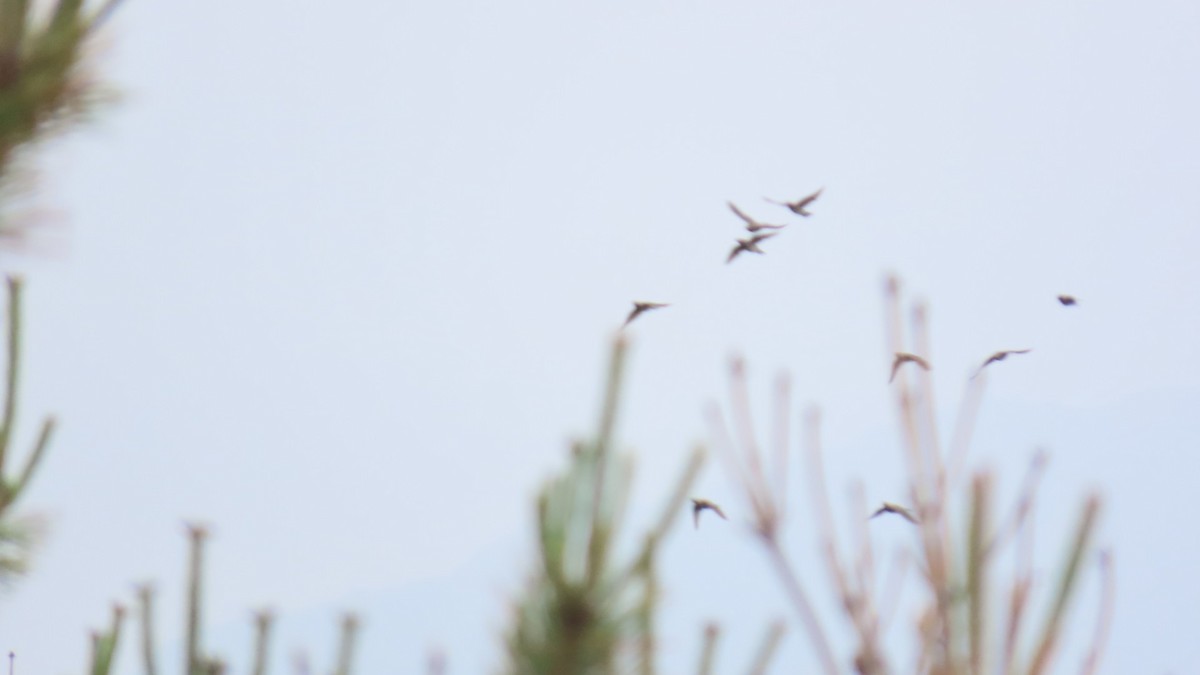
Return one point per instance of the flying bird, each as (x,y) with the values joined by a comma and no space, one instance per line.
(640,307)
(903,358)
(889,507)
(699,505)
(750,245)
(798,207)
(753,225)
(999,356)
(1067,300)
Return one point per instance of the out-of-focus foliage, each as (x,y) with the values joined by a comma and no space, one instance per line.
(46,83)
(585,612)
(957,543)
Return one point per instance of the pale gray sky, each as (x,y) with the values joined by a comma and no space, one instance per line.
(339,281)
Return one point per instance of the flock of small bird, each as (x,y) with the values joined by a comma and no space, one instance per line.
(750,244)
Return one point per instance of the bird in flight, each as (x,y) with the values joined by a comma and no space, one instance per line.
(999,356)
(798,207)
(903,358)
(753,225)
(889,507)
(750,245)
(699,505)
(1067,300)
(640,307)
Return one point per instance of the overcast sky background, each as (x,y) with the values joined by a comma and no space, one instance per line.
(340,282)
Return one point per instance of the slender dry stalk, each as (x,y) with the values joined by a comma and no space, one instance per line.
(263,620)
(956,562)
(436,663)
(824,514)
(1024,505)
(800,602)
(764,502)
(977,568)
(1108,595)
(894,587)
(346,644)
(864,560)
(783,407)
(712,633)
(145,594)
(767,650)
(193,662)
(964,429)
(1066,586)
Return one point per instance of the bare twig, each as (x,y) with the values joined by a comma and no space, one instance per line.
(769,645)
(197,534)
(263,619)
(977,567)
(346,644)
(1066,586)
(1104,616)
(145,594)
(712,632)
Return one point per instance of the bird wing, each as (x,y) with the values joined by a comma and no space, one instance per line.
(904,513)
(763,226)
(734,253)
(696,509)
(637,309)
(761,237)
(739,213)
(717,510)
(809,199)
(899,361)
(879,512)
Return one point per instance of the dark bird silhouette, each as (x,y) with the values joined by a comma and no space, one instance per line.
(640,307)
(999,356)
(889,507)
(798,207)
(753,225)
(903,358)
(750,245)
(699,505)
(1067,300)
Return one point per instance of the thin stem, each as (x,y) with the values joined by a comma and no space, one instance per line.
(743,422)
(712,632)
(1066,586)
(146,600)
(977,570)
(800,601)
(13,370)
(602,452)
(964,429)
(769,646)
(346,644)
(31,464)
(197,534)
(828,535)
(783,404)
(1108,594)
(728,454)
(1024,504)
(262,637)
